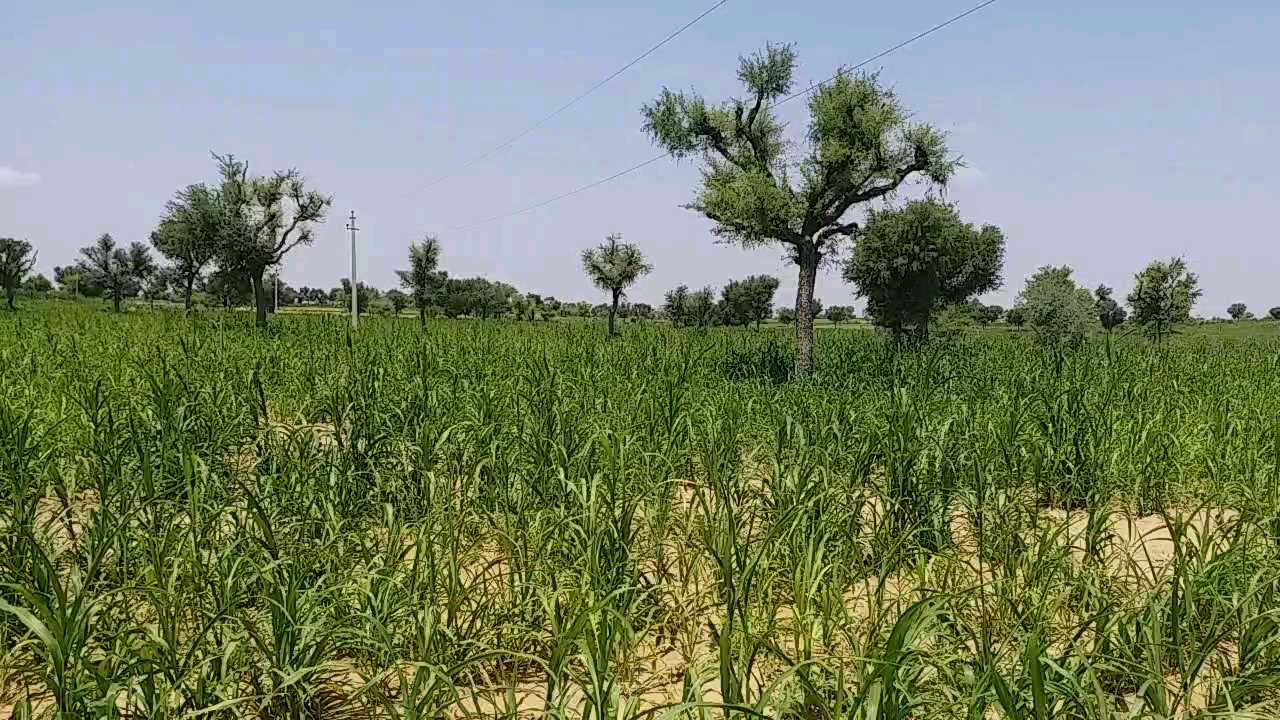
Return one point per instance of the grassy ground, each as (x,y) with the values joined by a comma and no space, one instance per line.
(506,519)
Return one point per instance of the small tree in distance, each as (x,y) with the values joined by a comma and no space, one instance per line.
(1060,312)
(37,284)
(158,285)
(838,314)
(1238,311)
(911,261)
(1274,313)
(984,314)
(1162,297)
(422,280)
(399,301)
(748,301)
(1016,316)
(614,266)
(702,307)
(676,306)
(1110,313)
(117,272)
(17,260)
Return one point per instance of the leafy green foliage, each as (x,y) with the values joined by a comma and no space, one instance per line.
(476,297)
(1238,311)
(365,296)
(422,280)
(614,266)
(160,283)
(17,259)
(743,302)
(840,313)
(227,288)
(503,520)
(702,309)
(398,300)
(1274,313)
(1061,313)
(191,233)
(37,283)
(676,307)
(909,262)
(1162,297)
(265,217)
(489,519)
(115,272)
(984,314)
(1111,314)
(1016,316)
(860,146)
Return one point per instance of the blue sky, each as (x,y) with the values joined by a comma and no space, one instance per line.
(1098,134)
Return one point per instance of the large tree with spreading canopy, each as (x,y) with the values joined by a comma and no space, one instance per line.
(860,145)
(265,217)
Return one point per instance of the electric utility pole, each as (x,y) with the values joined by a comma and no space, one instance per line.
(355,307)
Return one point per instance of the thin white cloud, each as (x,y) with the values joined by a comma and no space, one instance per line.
(12,177)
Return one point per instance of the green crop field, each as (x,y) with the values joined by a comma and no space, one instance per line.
(502,519)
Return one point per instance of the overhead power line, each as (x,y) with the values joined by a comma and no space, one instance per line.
(793,96)
(546,118)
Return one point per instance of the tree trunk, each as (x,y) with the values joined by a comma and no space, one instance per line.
(115,301)
(422,316)
(922,331)
(8,296)
(259,299)
(613,310)
(186,293)
(808,262)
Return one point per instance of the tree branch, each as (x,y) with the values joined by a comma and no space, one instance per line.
(842,205)
(829,231)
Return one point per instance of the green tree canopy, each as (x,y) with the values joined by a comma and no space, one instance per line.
(17,260)
(190,235)
(1110,313)
(676,306)
(614,266)
(702,308)
(116,272)
(984,314)
(227,288)
(860,145)
(1162,297)
(476,297)
(1016,316)
(422,280)
(1060,312)
(1238,311)
(909,262)
(365,295)
(266,217)
(747,301)
(398,301)
(37,284)
(839,313)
